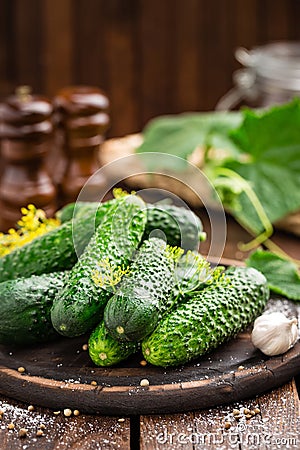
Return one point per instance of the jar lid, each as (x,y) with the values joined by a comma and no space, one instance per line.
(277,62)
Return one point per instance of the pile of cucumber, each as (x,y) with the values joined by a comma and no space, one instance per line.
(128,274)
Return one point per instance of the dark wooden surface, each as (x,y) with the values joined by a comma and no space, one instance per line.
(277,425)
(59,375)
(150,56)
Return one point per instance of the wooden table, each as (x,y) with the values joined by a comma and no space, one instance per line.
(275,425)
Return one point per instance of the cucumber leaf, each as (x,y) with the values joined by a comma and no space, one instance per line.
(272,142)
(263,148)
(179,135)
(281,274)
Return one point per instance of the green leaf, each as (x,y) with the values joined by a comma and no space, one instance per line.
(281,274)
(276,181)
(272,141)
(264,150)
(179,135)
(265,130)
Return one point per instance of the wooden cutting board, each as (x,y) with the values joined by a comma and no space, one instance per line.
(59,375)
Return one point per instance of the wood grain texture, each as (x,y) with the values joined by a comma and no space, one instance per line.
(59,375)
(60,432)
(189,64)
(28,43)
(121,47)
(57,52)
(275,425)
(156,30)
(150,57)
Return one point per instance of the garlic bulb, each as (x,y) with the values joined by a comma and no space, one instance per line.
(274,333)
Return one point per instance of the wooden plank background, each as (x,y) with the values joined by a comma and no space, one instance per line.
(152,57)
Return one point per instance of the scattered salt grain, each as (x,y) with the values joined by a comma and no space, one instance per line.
(67,412)
(23,432)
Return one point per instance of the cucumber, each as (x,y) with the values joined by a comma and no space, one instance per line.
(207,318)
(79,306)
(54,251)
(191,272)
(181,227)
(66,213)
(80,209)
(134,311)
(25,305)
(105,351)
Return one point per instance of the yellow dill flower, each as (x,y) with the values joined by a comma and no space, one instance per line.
(32,224)
(119,192)
(174,253)
(109,275)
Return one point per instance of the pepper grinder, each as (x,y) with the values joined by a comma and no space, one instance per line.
(82,119)
(25,132)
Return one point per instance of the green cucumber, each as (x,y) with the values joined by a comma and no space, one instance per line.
(207,318)
(25,305)
(135,309)
(81,209)
(66,213)
(106,351)
(54,251)
(191,272)
(80,305)
(177,225)
(180,226)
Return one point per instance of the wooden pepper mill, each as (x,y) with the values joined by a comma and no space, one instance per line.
(82,116)
(26,129)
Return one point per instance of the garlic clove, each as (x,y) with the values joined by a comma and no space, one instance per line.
(274,333)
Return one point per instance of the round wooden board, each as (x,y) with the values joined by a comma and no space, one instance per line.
(59,375)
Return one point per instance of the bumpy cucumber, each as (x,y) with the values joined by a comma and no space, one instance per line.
(80,304)
(25,305)
(177,225)
(134,311)
(81,209)
(106,351)
(181,227)
(207,318)
(66,213)
(191,273)
(54,251)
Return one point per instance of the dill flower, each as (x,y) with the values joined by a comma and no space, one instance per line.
(32,224)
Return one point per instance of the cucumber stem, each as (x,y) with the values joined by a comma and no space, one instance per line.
(262,238)
(254,200)
(270,245)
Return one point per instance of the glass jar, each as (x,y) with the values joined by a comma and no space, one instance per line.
(271,75)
